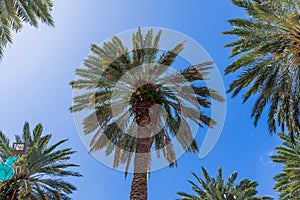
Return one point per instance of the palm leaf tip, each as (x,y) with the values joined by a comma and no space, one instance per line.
(15,13)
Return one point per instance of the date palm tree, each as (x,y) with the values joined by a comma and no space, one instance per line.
(13,13)
(138,103)
(268,63)
(43,167)
(288,181)
(218,189)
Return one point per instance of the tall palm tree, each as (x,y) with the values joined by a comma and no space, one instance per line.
(42,167)
(15,12)
(288,181)
(139,104)
(218,189)
(268,63)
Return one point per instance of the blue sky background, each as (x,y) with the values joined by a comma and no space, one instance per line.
(36,70)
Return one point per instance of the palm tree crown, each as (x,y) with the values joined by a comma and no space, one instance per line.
(217,189)
(42,167)
(288,181)
(138,102)
(269,51)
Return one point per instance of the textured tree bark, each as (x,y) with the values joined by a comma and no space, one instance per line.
(139,185)
(141,104)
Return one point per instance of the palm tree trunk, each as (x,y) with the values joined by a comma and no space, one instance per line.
(139,185)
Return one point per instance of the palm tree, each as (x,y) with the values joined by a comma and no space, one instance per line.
(288,181)
(269,55)
(14,12)
(140,104)
(42,167)
(217,189)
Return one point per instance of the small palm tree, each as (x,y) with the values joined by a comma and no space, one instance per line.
(269,57)
(42,167)
(15,12)
(211,188)
(288,181)
(139,104)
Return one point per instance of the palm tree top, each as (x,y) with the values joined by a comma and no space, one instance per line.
(126,89)
(218,189)
(267,60)
(42,166)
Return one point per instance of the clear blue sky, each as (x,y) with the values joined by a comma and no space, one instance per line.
(36,70)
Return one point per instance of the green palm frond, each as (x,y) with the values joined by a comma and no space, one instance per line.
(108,64)
(268,62)
(288,181)
(218,189)
(13,13)
(43,167)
